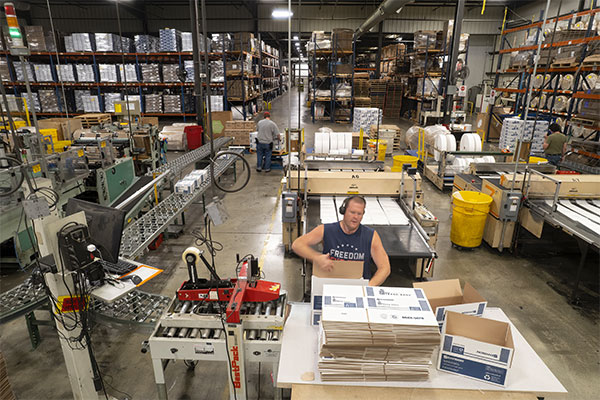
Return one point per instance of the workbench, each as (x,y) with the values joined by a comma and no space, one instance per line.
(530,377)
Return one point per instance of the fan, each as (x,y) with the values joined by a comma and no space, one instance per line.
(461,72)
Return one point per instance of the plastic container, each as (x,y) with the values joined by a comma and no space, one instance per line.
(399,161)
(537,160)
(194,136)
(469,213)
(382,147)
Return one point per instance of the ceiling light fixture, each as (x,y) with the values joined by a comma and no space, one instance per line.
(281,14)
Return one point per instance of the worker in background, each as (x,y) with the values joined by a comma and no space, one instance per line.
(346,240)
(268,132)
(555,144)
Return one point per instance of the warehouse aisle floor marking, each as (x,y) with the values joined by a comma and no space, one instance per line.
(261,260)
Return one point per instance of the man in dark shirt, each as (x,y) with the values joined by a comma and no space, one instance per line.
(555,144)
(346,240)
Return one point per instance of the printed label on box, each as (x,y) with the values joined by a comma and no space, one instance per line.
(473,369)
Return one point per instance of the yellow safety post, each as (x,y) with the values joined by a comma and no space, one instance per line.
(360,140)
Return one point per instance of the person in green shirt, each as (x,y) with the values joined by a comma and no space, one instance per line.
(555,144)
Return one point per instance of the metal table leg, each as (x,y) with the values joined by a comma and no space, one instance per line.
(159,378)
(583,247)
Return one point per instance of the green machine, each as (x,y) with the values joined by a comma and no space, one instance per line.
(113,180)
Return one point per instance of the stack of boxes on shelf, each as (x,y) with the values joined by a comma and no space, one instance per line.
(90,70)
(392,57)
(239,131)
(377,92)
(530,131)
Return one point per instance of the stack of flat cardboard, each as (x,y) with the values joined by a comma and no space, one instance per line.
(376,334)
(239,131)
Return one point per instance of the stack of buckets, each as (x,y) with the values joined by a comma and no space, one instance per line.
(469,213)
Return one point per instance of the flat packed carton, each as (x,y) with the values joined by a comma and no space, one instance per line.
(446,295)
(478,348)
(316,293)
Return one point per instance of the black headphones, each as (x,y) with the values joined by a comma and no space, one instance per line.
(348,199)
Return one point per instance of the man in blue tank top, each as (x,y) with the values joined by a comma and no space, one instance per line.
(346,240)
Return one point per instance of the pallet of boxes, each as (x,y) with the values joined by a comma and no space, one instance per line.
(239,131)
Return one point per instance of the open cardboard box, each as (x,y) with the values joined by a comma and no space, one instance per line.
(478,348)
(446,295)
(316,293)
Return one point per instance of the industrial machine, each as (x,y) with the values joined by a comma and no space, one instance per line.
(236,320)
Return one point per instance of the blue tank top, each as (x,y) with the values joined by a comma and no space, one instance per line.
(354,247)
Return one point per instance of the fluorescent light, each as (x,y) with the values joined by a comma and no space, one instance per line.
(295,37)
(281,13)
(400,39)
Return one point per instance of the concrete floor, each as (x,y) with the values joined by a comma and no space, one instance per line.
(530,289)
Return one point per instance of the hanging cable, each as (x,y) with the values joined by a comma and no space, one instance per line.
(125,76)
(60,79)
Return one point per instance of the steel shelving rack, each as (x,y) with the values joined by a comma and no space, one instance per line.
(550,87)
(330,80)
(133,87)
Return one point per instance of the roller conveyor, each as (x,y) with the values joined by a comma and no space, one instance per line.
(177,165)
(138,235)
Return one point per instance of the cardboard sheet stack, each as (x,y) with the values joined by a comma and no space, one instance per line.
(376,334)
(365,117)
(91,104)
(107,42)
(379,211)
(19,72)
(512,129)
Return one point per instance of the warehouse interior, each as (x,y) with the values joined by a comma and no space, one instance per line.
(294,199)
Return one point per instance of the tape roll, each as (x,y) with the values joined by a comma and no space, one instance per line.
(440,144)
(450,143)
(567,81)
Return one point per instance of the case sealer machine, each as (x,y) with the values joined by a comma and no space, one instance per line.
(237,321)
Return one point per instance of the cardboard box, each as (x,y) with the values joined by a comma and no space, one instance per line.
(446,295)
(342,269)
(219,119)
(316,293)
(477,348)
(481,126)
(493,232)
(64,126)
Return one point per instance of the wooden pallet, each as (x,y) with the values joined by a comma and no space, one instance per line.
(585,122)
(592,61)
(564,63)
(89,120)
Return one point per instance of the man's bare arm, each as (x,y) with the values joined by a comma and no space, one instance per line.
(381,259)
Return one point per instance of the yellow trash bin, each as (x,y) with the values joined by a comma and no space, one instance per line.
(382,147)
(537,160)
(399,161)
(469,213)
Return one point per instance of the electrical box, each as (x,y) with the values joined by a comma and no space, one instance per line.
(216,212)
(289,204)
(509,205)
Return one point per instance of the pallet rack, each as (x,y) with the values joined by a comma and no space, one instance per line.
(551,86)
(136,86)
(329,81)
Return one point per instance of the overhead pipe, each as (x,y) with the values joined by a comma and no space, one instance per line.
(384,10)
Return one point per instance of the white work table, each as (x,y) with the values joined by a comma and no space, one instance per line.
(529,375)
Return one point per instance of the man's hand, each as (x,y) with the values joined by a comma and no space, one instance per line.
(324,262)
